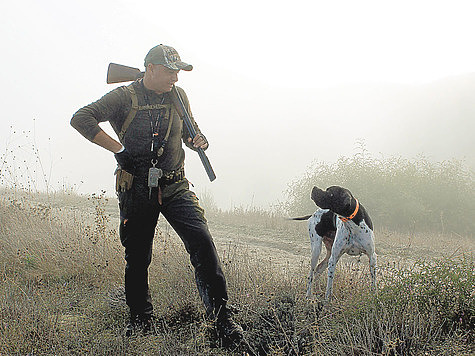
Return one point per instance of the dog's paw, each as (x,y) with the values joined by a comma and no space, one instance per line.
(311,297)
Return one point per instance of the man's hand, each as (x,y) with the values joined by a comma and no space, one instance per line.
(199,141)
(125,161)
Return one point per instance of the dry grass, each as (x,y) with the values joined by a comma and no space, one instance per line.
(62,270)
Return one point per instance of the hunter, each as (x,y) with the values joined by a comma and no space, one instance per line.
(149,149)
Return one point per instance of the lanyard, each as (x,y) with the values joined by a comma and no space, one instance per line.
(154,128)
(156,148)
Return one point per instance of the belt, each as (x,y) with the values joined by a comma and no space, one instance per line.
(171,177)
(168,178)
(175,175)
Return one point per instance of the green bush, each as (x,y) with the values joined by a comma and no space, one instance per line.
(427,309)
(400,194)
(442,290)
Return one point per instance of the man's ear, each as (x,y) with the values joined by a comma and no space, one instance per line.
(149,68)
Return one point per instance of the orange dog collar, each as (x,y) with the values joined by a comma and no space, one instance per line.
(352,215)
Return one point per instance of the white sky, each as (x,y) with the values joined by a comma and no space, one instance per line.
(55,55)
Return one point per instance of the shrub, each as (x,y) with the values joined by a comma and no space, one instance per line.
(417,310)
(400,194)
(443,289)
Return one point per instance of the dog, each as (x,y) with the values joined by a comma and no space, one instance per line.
(343,225)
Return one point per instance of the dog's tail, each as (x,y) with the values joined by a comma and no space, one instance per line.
(306,217)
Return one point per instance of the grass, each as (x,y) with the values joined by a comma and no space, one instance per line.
(62,274)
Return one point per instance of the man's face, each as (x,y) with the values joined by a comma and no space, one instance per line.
(161,78)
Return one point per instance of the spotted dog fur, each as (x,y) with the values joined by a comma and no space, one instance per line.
(328,226)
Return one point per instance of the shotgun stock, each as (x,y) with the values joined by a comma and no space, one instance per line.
(118,73)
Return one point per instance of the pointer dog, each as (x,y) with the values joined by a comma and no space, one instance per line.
(344,226)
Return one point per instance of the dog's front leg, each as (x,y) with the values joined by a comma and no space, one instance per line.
(370,251)
(331,274)
(372,270)
(316,245)
(316,249)
(337,251)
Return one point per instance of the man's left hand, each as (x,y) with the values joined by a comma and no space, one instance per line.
(199,142)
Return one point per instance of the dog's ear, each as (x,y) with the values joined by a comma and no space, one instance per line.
(347,200)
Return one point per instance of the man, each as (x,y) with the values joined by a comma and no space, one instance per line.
(151,133)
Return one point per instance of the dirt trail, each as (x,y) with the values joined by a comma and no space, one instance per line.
(293,246)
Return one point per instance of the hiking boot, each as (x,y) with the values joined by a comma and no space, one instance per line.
(228,329)
(139,324)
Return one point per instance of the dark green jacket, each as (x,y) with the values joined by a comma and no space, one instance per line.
(115,106)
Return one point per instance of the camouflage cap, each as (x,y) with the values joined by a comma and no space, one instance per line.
(166,56)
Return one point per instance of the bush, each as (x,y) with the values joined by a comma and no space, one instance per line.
(400,194)
(417,310)
(442,290)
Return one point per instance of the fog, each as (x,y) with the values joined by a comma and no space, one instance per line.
(274,87)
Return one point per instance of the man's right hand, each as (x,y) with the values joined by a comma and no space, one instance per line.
(125,161)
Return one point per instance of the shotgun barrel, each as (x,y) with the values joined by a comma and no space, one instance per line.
(177,100)
(117,73)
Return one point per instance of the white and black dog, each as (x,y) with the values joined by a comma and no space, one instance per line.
(344,226)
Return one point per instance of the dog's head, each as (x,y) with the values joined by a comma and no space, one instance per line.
(337,199)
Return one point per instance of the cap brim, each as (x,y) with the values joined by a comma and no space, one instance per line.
(179,66)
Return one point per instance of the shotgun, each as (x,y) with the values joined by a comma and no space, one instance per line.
(118,73)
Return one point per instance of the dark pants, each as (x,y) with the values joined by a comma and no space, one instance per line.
(138,219)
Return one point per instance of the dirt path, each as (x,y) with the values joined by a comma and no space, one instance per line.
(294,246)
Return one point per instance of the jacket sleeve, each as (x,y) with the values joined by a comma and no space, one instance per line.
(112,107)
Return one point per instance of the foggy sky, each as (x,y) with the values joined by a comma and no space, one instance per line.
(274,87)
